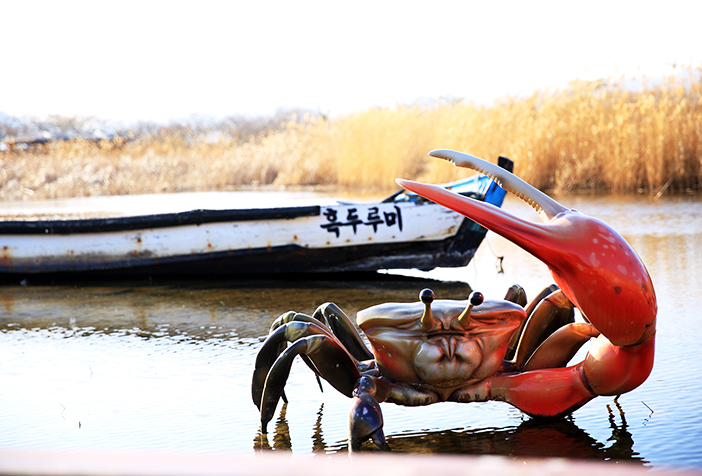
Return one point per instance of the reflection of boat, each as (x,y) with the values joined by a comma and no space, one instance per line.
(402,231)
(242,307)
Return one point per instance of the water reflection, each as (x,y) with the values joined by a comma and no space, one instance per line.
(245,307)
(533,438)
(318,444)
(281,436)
(166,365)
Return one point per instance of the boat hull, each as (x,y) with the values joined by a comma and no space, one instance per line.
(395,236)
(400,232)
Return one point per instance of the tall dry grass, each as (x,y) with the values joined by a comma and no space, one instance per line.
(597,136)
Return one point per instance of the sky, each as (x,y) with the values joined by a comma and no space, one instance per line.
(160,61)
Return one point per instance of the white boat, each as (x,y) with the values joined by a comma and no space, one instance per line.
(402,231)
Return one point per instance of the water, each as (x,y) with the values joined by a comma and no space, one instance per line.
(166,366)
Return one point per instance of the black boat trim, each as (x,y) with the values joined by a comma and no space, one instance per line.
(143,222)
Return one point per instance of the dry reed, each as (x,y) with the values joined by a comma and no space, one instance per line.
(597,136)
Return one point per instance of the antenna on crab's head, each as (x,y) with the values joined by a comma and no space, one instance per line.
(427,297)
(475,299)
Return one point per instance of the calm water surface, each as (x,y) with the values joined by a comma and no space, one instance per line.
(167,366)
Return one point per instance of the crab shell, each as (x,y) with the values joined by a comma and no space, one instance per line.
(446,353)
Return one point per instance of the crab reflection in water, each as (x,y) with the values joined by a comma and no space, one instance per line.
(533,438)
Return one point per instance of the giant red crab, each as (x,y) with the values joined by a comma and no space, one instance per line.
(475,350)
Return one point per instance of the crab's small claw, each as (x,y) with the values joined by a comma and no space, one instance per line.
(365,418)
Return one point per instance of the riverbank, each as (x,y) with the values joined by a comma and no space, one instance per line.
(605,136)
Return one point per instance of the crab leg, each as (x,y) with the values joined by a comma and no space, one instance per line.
(561,346)
(529,309)
(598,272)
(552,313)
(343,329)
(275,344)
(332,361)
(339,324)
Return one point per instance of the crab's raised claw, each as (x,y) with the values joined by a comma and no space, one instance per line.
(594,266)
(542,203)
(598,272)
(365,418)
(332,361)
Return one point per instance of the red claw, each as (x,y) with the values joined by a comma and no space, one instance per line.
(594,266)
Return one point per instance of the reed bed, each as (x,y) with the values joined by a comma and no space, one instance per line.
(602,136)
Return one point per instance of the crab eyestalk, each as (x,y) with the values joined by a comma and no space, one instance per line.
(475,299)
(427,321)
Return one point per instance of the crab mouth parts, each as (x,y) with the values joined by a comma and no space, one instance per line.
(447,346)
(445,333)
(446,360)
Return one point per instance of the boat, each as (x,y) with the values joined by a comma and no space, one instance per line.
(401,232)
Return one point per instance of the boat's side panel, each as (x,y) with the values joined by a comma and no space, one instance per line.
(292,259)
(336,227)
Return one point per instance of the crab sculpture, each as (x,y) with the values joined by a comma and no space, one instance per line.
(478,350)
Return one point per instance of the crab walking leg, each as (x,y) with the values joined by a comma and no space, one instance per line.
(561,346)
(344,330)
(283,319)
(517,295)
(552,313)
(332,319)
(334,363)
(275,344)
(529,309)
(339,324)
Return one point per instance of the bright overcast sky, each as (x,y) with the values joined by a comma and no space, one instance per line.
(145,60)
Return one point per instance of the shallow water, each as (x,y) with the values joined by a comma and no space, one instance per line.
(167,365)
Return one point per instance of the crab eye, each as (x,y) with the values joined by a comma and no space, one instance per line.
(476,298)
(427,297)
